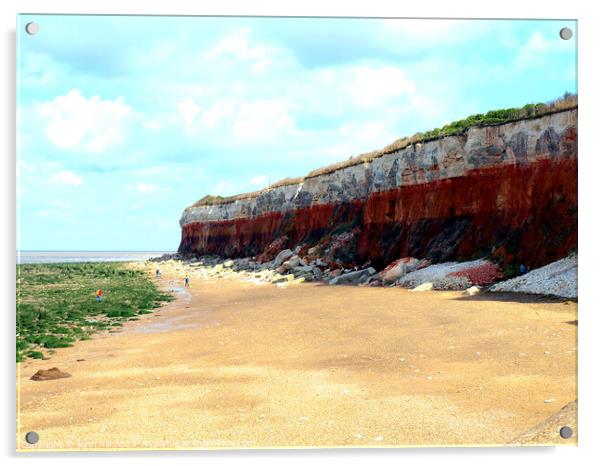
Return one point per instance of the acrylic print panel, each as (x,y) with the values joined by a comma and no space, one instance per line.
(364,232)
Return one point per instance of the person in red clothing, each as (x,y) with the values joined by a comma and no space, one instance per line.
(99,295)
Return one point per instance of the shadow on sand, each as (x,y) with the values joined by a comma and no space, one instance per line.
(515,298)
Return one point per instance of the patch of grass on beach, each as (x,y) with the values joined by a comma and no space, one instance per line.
(56,303)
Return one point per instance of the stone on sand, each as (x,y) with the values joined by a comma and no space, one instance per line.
(49,374)
(472,291)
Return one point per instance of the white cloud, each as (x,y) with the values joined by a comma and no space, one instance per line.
(66,177)
(375,85)
(422,33)
(260,180)
(538,50)
(261,120)
(237,46)
(74,122)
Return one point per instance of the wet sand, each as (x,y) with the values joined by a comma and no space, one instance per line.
(238,365)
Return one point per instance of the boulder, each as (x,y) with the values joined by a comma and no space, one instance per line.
(399,268)
(304,269)
(49,374)
(229,263)
(452,275)
(282,256)
(293,262)
(352,277)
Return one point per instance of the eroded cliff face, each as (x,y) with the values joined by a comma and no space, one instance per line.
(508,192)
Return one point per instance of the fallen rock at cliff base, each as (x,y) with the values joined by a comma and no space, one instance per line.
(291,263)
(352,277)
(49,374)
(281,257)
(453,275)
(556,279)
(395,270)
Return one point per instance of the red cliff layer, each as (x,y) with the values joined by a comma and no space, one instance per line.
(518,213)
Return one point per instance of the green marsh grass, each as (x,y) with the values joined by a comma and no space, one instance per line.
(56,303)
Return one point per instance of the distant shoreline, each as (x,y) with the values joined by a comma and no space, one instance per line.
(55,257)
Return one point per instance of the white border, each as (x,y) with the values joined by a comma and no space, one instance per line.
(590,157)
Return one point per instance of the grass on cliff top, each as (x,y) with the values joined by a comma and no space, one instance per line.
(56,303)
(493,117)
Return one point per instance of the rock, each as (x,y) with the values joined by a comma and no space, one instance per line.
(304,269)
(352,277)
(472,291)
(282,256)
(313,251)
(229,263)
(428,286)
(364,280)
(399,268)
(320,263)
(293,262)
(452,275)
(49,374)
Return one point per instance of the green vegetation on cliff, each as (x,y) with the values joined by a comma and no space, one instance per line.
(56,303)
(497,117)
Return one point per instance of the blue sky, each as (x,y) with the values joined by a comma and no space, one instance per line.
(124,121)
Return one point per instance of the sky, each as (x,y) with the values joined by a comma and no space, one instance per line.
(125,121)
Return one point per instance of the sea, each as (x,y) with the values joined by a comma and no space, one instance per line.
(53,257)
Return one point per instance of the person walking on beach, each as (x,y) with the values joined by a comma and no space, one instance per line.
(99,295)
(186,282)
(157,273)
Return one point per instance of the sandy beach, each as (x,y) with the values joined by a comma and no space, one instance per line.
(241,365)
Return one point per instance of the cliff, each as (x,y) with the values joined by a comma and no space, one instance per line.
(506,191)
